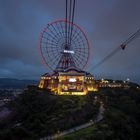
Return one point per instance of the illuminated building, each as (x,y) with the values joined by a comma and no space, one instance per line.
(112,84)
(68,82)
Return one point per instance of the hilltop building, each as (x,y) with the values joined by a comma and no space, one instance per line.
(68,82)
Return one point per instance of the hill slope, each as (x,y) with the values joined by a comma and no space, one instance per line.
(15,83)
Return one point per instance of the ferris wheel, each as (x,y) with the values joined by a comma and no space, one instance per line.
(63,45)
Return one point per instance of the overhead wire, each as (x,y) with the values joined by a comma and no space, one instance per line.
(131,38)
(111,54)
(73,12)
(69,27)
(121,47)
(70,12)
(66,21)
(70,9)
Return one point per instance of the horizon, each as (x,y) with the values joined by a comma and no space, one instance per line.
(95,79)
(106,24)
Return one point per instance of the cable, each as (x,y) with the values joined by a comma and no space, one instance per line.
(122,46)
(70,9)
(107,57)
(131,38)
(73,11)
(66,21)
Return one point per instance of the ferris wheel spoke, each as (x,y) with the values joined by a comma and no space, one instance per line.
(48,44)
(78,40)
(76,34)
(57,51)
(63,31)
(79,43)
(56,60)
(47,54)
(75,39)
(81,60)
(80,49)
(79,46)
(81,55)
(50,63)
(52,52)
(69,32)
(80,63)
(53,47)
(83,51)
(54,33)
(57,31)
(50,40)
(78,60)
(53,37)
(60,29)
(75,45)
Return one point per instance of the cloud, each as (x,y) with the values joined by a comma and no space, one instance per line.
(107,25)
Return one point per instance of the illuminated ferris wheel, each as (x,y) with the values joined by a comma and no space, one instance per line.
(64,45)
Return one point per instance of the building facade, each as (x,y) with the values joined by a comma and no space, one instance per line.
(68,82)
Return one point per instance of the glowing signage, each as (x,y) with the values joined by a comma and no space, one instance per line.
(72,80)
(69,51)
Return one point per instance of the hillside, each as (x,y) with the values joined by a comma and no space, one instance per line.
(15,83)
(37,113)
(121,117)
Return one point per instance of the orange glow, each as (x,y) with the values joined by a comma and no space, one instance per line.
(69,83)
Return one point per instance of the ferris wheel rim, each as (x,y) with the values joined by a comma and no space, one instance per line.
(54,22)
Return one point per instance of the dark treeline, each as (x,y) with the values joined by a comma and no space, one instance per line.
(37,114)
(121,116)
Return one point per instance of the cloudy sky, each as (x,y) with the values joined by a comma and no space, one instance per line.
(107,24)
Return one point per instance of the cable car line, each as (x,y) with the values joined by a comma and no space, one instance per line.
(70,11)
(121,47)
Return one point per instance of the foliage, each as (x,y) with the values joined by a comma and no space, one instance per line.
(121,117)
(38,113)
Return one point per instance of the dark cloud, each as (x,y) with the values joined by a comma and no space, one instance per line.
(107,24)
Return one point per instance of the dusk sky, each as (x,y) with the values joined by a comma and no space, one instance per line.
(107,24)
